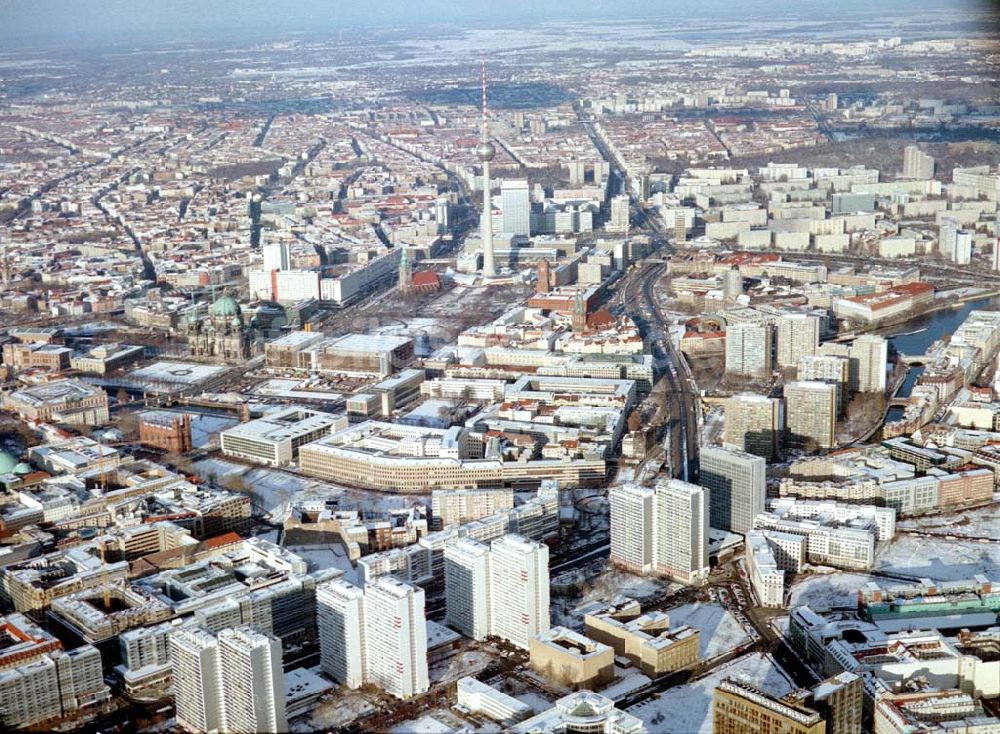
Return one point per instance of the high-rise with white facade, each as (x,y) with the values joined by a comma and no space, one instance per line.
(732,284)
(872,355)
(916,163)
(467,587)
(735,480)
(395,637)
(340,619)
(947,233)
(442,213)
(798,336)
(811,414)
(962,254)
(828,368)
(631,512)
(680,533)
(194,653)
(276,257)
(515,203)
(619,220)
(253,681)
(519,589)
(232,682)
(755,424)
(748,349)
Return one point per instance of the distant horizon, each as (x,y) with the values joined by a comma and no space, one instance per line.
(63,24)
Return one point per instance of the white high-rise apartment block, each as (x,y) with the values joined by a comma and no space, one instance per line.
(631,511)
(197,680)
(996,255)
(811,413)
(872,355)
(395,637)
(519,589)
(947,234)
(50,685)
(661,530)
(619,220)
(828,368)
(276,257)
(798,336)
(340,619)
(253,681)
(916,163)
(680,534)
(748,349)
(963,247)
(442,213)
(736,485)
(233,682)
(732,284)
(467,586)
(755,424)
(515,203)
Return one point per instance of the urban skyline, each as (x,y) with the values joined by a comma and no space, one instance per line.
(542,367)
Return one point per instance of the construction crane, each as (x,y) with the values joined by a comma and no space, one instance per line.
(105,580)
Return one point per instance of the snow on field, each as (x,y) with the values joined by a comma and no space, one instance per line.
(272,488)
(601,589)
(827,590)
(205,430)
(613,582)
(626,683)
(720,631)
(979,522)
(338,710)
(688,709)
(464,663)
(435,722)
(536,700)
(940,559)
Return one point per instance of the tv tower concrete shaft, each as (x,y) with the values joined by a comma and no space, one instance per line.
(485,152)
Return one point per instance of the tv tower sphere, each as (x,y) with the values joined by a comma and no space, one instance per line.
(486,151)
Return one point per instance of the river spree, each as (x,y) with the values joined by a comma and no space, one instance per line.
(915,337)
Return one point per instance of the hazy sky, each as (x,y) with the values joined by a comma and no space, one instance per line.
(84,22)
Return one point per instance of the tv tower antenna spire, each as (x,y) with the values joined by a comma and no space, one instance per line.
(482,74)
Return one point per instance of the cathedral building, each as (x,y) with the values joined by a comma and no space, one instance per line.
(221,335)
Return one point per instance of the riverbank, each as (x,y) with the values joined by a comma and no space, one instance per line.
(985,298)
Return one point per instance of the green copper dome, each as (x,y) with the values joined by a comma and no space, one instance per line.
(7,463)
(225,306)
(23,468)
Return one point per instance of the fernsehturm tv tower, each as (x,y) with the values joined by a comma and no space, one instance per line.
(485,151)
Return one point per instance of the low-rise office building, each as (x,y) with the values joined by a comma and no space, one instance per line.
(275,439)
(572,660)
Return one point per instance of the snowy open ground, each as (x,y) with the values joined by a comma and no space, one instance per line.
(276,489)
(688,709)
(940,559)
(459,665)
(824,591)
(433,722)
(536,700)
(720,630)
(340,709)
(978,522)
